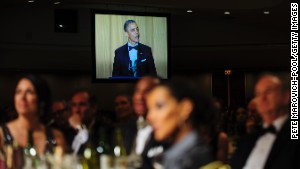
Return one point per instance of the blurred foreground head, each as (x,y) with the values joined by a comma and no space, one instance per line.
(145,84)
(175,109)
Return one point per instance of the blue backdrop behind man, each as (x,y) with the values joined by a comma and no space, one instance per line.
(133,59)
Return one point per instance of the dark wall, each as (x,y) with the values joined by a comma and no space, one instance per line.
(229,88)
(28,41)
(247,40)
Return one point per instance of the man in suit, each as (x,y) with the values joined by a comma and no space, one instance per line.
(271,147)
(125,120)
(133,59)
(82,119)
(144,146)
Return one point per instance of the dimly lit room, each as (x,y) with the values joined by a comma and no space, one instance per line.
(199,86)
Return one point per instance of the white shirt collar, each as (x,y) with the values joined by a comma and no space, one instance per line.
(278,123)
(136,44)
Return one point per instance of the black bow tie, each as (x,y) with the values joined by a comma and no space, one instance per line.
(132,47)
(270,129)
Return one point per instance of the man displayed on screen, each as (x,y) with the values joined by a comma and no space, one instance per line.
(133,59)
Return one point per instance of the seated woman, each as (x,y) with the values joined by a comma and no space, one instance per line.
(32,101)
(177,112)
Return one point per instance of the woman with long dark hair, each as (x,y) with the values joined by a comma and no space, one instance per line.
(32,102)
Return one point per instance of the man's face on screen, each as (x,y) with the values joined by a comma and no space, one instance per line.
(133,33)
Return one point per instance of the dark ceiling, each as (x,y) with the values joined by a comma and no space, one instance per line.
(170,4)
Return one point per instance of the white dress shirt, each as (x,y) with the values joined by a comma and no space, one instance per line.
(133,54)
(143,135)
(263,146)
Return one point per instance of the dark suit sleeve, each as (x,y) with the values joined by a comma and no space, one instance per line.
(116,66)
(151,65)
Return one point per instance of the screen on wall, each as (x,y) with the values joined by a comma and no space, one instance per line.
(128,46)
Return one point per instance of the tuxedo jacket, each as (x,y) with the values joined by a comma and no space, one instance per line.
(284,153)
(145,62)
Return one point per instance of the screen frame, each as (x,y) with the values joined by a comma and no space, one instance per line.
(93,45)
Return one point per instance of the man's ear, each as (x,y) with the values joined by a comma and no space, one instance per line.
(126,34)
(186,108)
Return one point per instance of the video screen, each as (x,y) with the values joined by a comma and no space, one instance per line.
(128,46)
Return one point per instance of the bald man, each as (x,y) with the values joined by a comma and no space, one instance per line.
(270,147)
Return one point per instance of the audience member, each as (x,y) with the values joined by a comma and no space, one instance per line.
(240,122)
(217,138)
(83,110)
(218,141)
(58,119)
(251,108)
(252,112)
(59,114)
(221,114)
(251,125)
(144,140)
(126,121)
(253,120)
(123,108)
(32,103)
(271,147)
(177,112)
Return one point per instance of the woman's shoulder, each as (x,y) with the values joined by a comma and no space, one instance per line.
(194,158)
(200,153)
(195,152)
(201,149)
(5,128)
(5,134)
(9,125)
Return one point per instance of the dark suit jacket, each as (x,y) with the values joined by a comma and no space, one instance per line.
(147,162)
(284,153)
(145,62)
(128,130)
(151,143)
